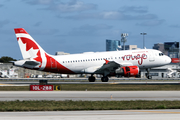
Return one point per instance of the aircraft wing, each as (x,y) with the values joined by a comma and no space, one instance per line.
(110,67)
(107,68)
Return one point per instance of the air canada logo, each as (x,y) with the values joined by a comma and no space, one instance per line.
(29,44)
(31,48)
(138,57)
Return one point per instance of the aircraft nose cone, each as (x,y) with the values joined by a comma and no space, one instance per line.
(168,60)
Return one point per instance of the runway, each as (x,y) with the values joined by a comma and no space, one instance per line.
(173,114)
(27,83)
(89,95)
(94,115)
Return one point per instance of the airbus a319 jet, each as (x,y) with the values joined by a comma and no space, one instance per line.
(125,63)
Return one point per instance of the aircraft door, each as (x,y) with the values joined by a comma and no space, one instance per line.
(53,63)
(151,56)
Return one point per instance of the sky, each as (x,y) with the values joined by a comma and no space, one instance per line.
(77,26)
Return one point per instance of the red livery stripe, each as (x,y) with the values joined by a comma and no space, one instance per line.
(54,66)
(20,30)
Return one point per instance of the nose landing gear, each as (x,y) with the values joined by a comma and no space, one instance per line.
(148,74)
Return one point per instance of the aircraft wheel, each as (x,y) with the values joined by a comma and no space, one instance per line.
(149,77)
(92,79)
(104,79)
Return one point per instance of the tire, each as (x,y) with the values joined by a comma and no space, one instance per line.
(104,79)
(92,79)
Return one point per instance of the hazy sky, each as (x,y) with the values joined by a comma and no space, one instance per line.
(76,26)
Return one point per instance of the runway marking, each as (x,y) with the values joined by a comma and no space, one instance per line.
(13,84)
(76,97)
(6,84)
(163,112)
(113,83)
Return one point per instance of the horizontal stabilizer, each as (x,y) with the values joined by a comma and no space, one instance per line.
(33,63)
(28,64)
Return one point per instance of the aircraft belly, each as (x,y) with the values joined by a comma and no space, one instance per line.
(85,67)
(77,68)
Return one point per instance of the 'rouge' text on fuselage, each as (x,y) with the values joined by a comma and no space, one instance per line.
(138,57)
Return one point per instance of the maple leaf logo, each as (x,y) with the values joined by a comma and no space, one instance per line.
(28,49)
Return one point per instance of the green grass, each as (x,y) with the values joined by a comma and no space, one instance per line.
(115,87)
(86,105)
(101,87)
(14,88)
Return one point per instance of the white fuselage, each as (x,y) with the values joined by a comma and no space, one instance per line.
(90,62)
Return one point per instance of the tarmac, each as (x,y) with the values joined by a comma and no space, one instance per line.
(27,83)
(173,114)
(94,115)
(89,95)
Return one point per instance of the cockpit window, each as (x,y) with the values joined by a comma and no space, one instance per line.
(161,54)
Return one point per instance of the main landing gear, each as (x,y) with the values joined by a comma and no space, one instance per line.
(148,75)
(103,79)
(92,78)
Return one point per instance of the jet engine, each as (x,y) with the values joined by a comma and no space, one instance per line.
(128,71)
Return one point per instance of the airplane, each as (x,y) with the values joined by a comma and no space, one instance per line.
(125,63)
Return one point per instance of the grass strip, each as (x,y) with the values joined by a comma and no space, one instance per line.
(117,87)
(101,87)
(85,105)
(14,88)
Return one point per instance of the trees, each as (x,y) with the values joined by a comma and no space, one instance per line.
(6,59)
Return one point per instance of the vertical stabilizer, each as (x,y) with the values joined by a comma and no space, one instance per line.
(28,46)
(34,57)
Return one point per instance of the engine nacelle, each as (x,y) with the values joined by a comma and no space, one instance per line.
(128,71)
